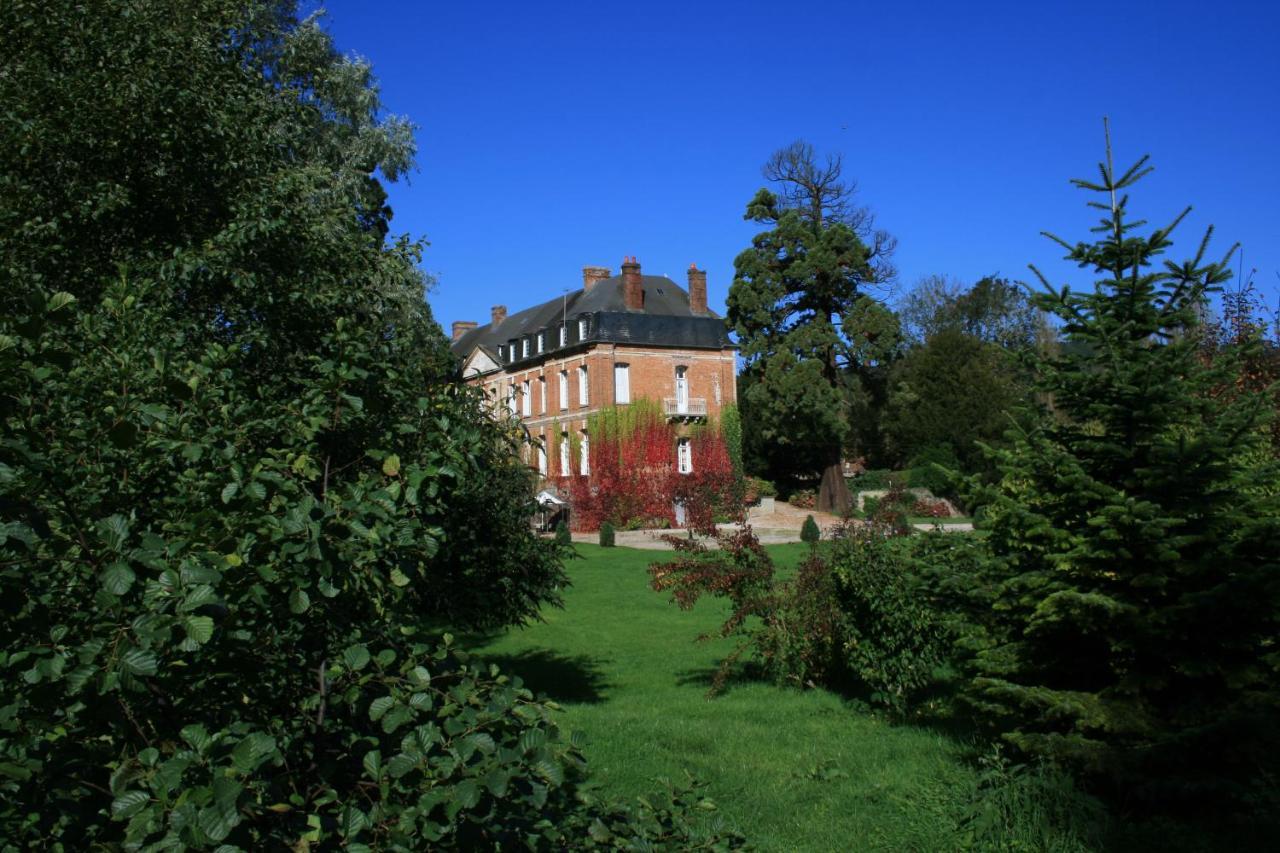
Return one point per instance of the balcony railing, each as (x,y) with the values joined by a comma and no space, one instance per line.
(693,407)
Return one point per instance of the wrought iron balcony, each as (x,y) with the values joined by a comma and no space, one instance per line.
(693,407)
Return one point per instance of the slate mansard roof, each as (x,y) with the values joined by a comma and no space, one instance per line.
(665,321)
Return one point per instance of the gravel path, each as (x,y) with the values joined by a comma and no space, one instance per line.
(774,528)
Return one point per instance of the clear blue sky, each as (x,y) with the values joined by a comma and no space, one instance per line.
(557,135)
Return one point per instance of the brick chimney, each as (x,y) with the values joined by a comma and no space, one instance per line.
(497,314)
(461,327)
(632,286)
(591,276)
(697,290)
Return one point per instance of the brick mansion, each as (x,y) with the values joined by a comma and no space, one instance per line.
(616,339)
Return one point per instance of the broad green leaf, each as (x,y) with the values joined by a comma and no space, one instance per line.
(299,601)
(398,577)
(117,578)
(467,793)
(550,770)
(353,821)
(401,764)
(373,763)
(391,465)
(229,491)
(128,804)
(378,707)
(356,657)
(217,821)
(197,736)
(140,662)
(114,530)
(60,300)
(199,628)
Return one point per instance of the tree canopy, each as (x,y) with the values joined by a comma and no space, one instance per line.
(811,337)
(994,310)
(237,479)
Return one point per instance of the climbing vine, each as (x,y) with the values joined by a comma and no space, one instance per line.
(633,478)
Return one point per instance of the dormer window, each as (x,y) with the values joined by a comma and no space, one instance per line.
(582,328)
(542,338)
(524,348)
(564,334)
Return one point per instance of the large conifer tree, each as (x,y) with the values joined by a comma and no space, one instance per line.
(812,339)
(1139,573)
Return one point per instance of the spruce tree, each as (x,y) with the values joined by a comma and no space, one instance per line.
(1138,571)
(809,531)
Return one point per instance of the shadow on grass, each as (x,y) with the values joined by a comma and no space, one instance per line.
(562,678)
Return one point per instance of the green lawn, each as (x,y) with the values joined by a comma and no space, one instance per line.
(793,770)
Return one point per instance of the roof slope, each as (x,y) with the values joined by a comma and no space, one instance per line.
(665,321)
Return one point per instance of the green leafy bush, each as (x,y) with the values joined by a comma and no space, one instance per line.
(893,639)
(606,535)
(875,480)
(236,474)
(562,534)
(803,498)
(758,488)
(858,617)
(935,468)
(809,531)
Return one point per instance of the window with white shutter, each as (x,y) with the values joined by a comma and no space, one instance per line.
(622,383)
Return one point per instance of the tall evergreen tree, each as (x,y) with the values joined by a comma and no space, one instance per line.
(951,392)
(812,339)
(1138,576)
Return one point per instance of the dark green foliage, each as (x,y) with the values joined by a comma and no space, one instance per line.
(809,531)
(813,342)
(893,640)
(731,432)
(858,616)
(954,391)
(875,480)
(1138,596)
(759,488)
(803,498)
(1022,807)
(935,468)
(606,535)
(562,534)
(235,475)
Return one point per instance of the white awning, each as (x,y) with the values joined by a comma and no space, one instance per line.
(548,499)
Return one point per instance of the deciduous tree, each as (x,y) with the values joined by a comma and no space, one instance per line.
(237,481)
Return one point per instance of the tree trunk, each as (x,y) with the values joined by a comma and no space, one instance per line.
(833,492)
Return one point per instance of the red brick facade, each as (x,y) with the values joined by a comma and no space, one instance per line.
(652,370)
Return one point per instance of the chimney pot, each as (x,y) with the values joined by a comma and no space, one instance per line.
(591,276)
(697,290)
(461,327)
(632,285)
(497,314)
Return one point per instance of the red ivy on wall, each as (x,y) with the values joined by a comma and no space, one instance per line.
(634,479)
